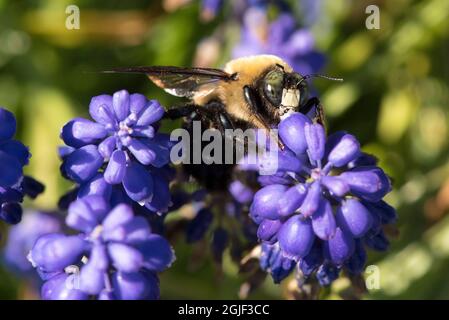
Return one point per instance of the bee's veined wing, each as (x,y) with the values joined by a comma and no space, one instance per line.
(178,81)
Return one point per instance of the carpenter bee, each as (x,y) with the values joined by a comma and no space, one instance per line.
(250,92)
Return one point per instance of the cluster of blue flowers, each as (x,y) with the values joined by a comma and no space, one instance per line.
(114,256)
(211,8)
(120,152)
(322,207)
(280,37)
(13,184)
(119,163)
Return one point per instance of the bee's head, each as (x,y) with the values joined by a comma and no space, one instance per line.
(285,90)
(288,91)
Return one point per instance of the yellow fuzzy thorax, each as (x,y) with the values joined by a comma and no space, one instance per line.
(249,69)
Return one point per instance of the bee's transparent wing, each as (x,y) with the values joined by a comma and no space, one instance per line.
(181,82)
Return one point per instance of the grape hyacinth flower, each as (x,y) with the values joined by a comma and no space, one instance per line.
(121,147)
(324,204)
(310,11)
(211,8)
(115,255)
(13,184)
(22,236)
(280,37)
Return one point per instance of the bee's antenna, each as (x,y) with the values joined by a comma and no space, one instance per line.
(316,75)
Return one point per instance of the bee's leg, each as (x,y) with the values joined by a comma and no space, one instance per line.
(180,112)
(219,116)
(222,121)
(226,121)
(213,112)
(319,116)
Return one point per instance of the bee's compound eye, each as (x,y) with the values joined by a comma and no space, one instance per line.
(273,85)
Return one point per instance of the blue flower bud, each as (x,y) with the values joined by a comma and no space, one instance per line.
(62,287)
(95,186)
(335,185)
(268,229)
(100,109)
(11,213)
(291,132)
(17,150)
(345,151)
(80,132)
(370,183)
(8,125)
(86,213)
(92,280)
(340,247)
(141,151)
(82,164)
(135,286)
(240,192)
(116,168)
(120,104)
(138,182)
(265,203)
(296,237)
(152,113)
(316,138)
(10,170)
(107,147)
(53,252)
(125,258)
(323,221)
(157,252)
(312,200)
(354,217)
(161,199)
(291,200)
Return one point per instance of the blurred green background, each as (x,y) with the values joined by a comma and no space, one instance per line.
(394,98)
